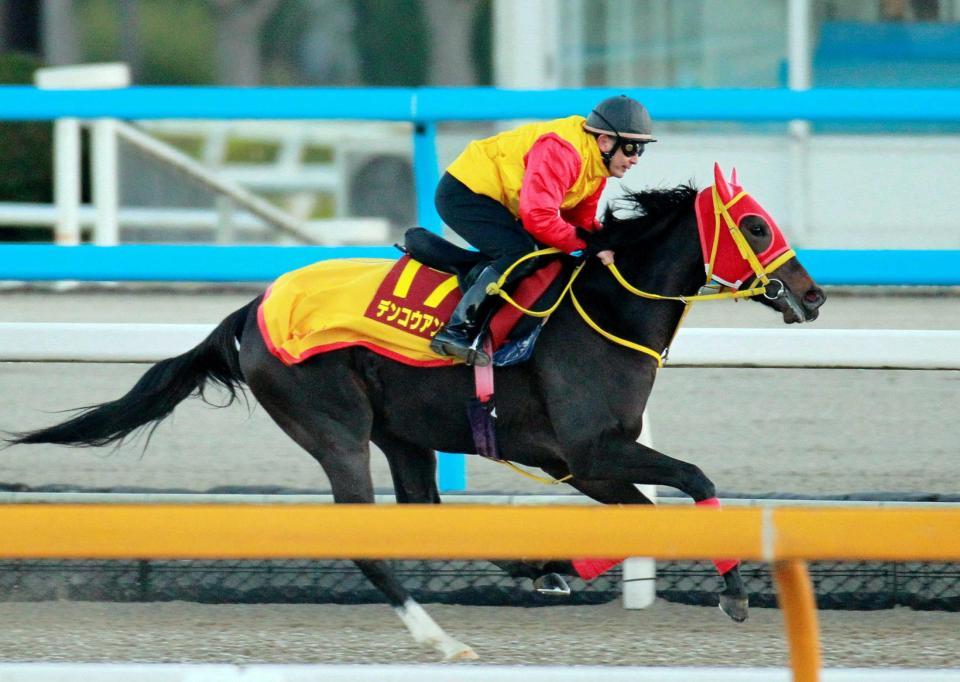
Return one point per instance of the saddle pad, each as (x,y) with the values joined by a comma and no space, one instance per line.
(393,308)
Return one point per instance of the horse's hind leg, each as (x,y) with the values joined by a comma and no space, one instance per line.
(413,468)
(324,409)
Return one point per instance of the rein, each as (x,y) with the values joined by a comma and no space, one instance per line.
(746,252)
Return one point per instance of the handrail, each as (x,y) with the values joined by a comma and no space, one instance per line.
(477,531)
(917,349)
(216,263)
(433,104)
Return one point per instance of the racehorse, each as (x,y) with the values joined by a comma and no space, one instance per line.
(573,410)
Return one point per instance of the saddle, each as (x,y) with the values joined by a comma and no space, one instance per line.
(512,333)
(391,307)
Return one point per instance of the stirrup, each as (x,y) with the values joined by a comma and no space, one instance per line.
(476,356)
(552,585)
(471,355)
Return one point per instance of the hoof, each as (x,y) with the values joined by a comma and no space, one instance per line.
(737,608)
(464,654)
(552,585)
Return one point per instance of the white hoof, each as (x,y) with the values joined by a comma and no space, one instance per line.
(460,652)
(426,631)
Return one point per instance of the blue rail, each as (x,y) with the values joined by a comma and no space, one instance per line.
(425,107)
(431,105)
(155,263)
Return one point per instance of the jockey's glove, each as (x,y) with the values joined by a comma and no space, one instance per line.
(595,243)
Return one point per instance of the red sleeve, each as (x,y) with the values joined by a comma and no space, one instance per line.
(552,166)
(584,214)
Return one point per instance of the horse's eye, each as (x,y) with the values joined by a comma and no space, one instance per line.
(757,231)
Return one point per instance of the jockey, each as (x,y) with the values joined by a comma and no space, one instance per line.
(536,184)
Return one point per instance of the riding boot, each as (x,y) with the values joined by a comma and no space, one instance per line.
(458,337)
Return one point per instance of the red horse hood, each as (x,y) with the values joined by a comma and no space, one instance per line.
(729,266)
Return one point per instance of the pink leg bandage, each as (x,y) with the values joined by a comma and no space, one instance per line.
(724,566)
(588,569)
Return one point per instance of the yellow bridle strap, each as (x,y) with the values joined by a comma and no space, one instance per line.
(776,263)
(746,252)
(745,293)
(720,209)
(616,339)
(496,290)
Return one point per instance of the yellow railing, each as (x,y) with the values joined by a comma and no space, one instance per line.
(785,537)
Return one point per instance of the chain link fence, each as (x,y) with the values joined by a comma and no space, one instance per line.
(863,586)
(838,585)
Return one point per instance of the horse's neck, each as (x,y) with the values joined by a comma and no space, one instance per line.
(671,268)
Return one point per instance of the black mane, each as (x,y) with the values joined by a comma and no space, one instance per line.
(649,210)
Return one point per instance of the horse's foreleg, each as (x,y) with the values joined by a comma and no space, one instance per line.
(621,464)
(323,408)
(351,484)
(422,627)
(414,472)
(734,600)
(625,461)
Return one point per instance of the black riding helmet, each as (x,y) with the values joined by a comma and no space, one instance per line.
(624,119)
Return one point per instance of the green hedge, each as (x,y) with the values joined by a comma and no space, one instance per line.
(25,152)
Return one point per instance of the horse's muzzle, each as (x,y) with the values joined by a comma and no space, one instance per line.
(811,302)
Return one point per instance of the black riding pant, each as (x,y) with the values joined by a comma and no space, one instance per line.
(487,225)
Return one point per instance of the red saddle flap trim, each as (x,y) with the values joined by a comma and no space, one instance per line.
(528,292)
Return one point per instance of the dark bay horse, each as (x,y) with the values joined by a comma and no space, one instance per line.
(574,409)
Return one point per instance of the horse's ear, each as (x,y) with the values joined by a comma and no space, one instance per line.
(720,182)
(733,177)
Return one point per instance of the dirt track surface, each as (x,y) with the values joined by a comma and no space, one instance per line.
(750,430)
(666,634)
(803,431)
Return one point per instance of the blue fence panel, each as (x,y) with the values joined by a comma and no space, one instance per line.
(168,263)
(207,263)
(893,267)
(425,105)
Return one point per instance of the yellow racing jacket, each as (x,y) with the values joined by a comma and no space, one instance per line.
(560,186)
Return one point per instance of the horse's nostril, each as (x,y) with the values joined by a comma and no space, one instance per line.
(814,298)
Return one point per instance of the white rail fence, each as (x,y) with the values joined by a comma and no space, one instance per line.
(232,186)
(694,347)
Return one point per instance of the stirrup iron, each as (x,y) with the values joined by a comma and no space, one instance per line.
(552,585)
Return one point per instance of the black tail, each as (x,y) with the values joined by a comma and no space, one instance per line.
(160,390)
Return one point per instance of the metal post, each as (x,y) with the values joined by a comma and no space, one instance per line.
(451,472)
(640,573)
(795,596)
(799,78)
(226,220)
(526,50)
(451,468)
(67,168)
(426,174)
(66,181)
(106,230)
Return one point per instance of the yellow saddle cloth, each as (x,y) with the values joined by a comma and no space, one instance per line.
(391,307)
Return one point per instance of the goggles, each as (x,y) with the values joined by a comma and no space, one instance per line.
(630,147)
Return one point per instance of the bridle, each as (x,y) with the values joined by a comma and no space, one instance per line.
(760,285)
